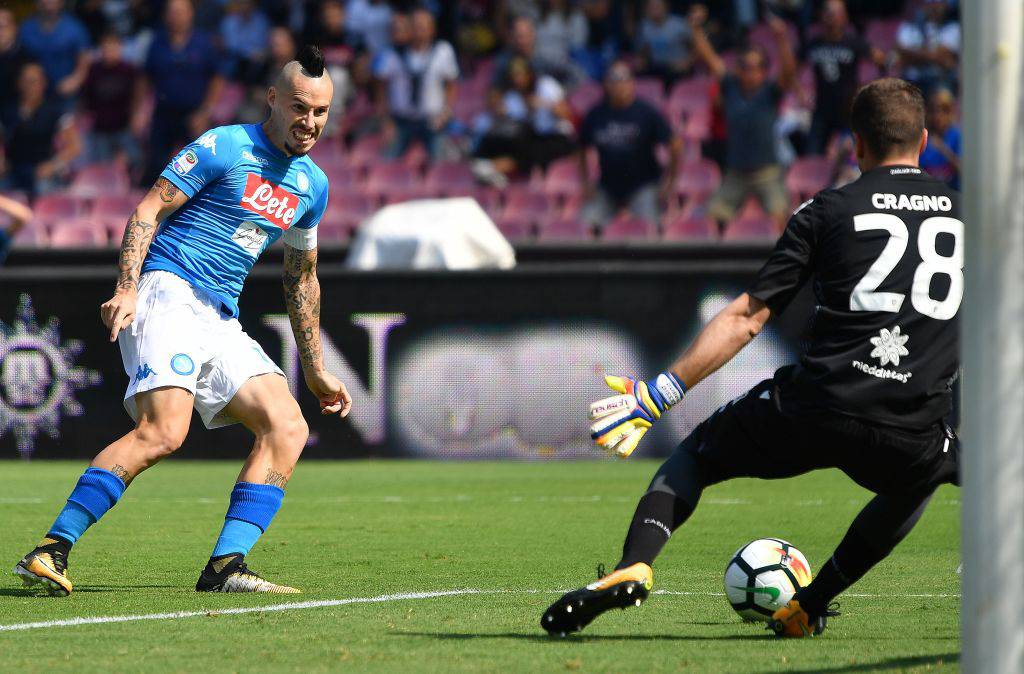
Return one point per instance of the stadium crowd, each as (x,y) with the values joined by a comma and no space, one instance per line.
(565,119)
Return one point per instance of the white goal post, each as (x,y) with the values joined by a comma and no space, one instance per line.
(992,84)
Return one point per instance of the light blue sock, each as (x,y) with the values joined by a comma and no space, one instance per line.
(236,536)
(96,492)
(252,508)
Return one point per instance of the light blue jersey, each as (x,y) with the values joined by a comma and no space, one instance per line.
(244,194)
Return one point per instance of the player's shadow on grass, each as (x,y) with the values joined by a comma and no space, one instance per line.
(38,592)
(578,638)
(892,663)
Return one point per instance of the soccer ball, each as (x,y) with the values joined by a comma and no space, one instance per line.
(763,576)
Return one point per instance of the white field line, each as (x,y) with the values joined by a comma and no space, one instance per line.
(379,599)
(290,606)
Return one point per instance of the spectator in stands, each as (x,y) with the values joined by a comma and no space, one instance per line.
(40,139)
(928,47)
(835,56)
(111,83)
(331,32)
(750,102)
(12,55)
(662,44)
(17,215)
(60,43)
(244,32)
(522,43)
(528,125)
(420,83)
(183,70)
(560,33)
(604,32)
(941,157)
(370,21)
(281,49)
(625,132)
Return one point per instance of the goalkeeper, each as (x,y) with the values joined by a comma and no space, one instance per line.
(880,422)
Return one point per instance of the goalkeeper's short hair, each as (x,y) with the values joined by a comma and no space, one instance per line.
(888,115)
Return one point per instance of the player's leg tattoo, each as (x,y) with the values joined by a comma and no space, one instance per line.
(122,473)
(275,478)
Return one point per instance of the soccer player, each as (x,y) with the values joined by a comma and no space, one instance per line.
(186,252)
(885,254)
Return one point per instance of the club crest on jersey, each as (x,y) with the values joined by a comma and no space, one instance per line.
(302,181)
(269,200)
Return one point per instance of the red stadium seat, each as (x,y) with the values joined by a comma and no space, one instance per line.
(334,231)
(698,180)
(565,230)
(97,179)
(692,92)
(58,206)
(348,205)
(690,227)
(388,176)
(629,228)
(523,201)
(750,227)
(78,233)
(340,175)
(114,206)
(651,90)
(808,176)
(515,229)
(366,151)
(450,179)
(563,178)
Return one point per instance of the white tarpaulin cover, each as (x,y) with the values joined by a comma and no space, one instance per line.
(431,234)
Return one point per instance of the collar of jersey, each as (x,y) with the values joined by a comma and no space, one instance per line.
(268,146)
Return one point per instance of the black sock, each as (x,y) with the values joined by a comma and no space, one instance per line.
(878,528)
(657,515)
(59,543)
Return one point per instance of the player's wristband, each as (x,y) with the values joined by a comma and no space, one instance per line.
(671,388)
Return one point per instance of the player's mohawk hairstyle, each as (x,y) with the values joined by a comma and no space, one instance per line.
(312,60)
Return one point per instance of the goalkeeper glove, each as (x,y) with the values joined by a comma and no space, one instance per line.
(621,421)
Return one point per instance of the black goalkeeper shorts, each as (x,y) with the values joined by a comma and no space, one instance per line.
(753,437)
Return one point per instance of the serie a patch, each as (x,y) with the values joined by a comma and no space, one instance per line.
(185,162)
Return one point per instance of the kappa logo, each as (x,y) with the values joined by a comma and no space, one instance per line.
(143,372)
(209,141)
(269,200)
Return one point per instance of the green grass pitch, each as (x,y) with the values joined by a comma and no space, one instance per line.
(520,532)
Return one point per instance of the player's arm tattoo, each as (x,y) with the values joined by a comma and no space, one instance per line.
(275,478)
(137,236)
(166,189)
(122,473)
(302,299)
